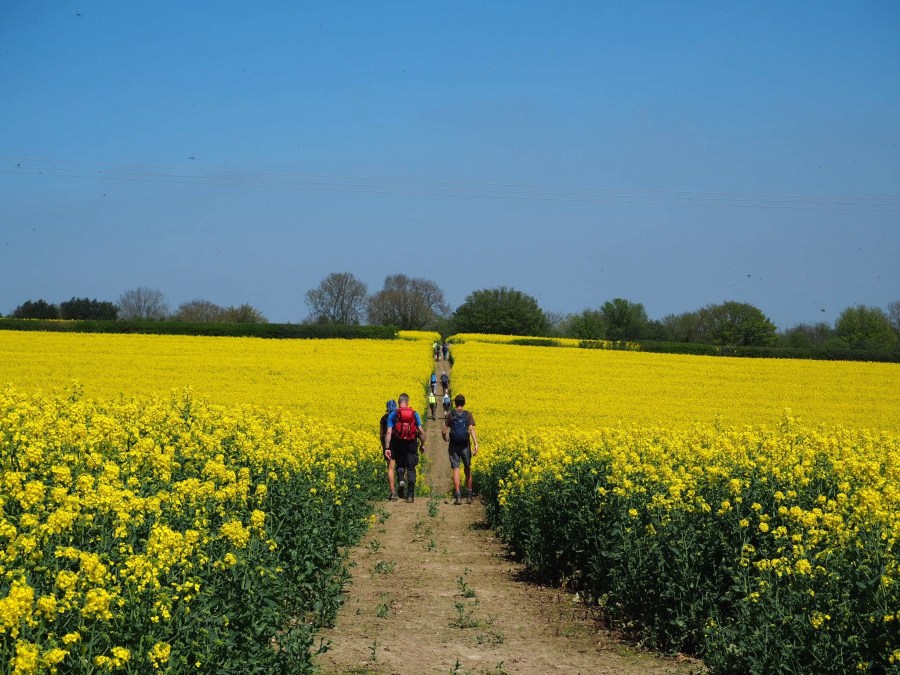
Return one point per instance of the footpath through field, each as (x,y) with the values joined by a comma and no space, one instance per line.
(434,591)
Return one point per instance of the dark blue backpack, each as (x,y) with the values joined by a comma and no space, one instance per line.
(459,428)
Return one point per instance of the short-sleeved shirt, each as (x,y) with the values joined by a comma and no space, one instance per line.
(392,419)
(449,421)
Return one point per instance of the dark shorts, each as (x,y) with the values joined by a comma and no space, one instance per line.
(460,453)
(406,453)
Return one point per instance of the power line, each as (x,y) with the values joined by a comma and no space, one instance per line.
(441,188)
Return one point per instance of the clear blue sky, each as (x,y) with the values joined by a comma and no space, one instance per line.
(243,102)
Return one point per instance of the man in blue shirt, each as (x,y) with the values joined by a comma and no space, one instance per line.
(402,440)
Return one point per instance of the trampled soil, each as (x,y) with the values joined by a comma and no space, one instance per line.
(434,591)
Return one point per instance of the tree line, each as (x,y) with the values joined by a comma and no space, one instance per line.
(415,303)
(140,303)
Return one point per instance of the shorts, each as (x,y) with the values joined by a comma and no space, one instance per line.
(460,453)
(406,453)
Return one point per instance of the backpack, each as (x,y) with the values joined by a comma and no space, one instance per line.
(445,379)
(405,426)
(459,428)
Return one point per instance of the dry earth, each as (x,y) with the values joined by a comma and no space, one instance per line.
(435,591)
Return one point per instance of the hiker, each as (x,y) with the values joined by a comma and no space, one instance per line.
(437,352)
(459,432)
(390,406)
(445,382)
(433,382)
(432,404)
(445,348)
(402,440)
(446,404)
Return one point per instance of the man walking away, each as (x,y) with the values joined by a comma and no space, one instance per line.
(446,404)
(445,348)
(391,406)
(459,432)
(432,404)
(445,382)
(402,440)
(433,382)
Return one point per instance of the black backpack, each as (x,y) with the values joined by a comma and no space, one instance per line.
(459,427)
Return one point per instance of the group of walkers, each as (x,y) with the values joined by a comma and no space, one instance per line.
(432,394)
(403,438)
(441,350)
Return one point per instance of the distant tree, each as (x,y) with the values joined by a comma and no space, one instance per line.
(559,323)
(865,327)
(409,303)
(683,327)
(85,308)
(339,298)
(500,310)
(199,311)
(625,320)
(242,314)
(735,323)
(894,316)
(656,331)
(143,303)
(807,335)
(36,309)
(588,325)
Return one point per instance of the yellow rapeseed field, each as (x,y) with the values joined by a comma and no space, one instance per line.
(175,504)
(342,381)
(678,492)
(585,388)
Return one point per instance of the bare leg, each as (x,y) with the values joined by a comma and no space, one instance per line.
(456,481)
(468,478)
(391,466)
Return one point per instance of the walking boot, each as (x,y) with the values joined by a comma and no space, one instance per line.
(401,485)
(410,493)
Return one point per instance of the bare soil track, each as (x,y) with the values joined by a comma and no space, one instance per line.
(434,591)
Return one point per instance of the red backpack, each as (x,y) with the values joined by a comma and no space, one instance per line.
(405,426)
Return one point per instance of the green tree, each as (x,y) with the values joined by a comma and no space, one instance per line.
(684,327)
(735,323)
(588,325)
(807,335)
(500,310)
(36,309)
(625,320)
(86,308)
(865,327)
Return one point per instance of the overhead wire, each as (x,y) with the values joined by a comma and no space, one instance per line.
(439,187)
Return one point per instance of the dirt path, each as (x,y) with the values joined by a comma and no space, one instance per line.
(434,591)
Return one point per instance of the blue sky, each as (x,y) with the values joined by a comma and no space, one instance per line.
(691,152)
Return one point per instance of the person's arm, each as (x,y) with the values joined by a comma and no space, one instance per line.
(420,432)
(473,435)
(388,433)
(387,443)
(445,432)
